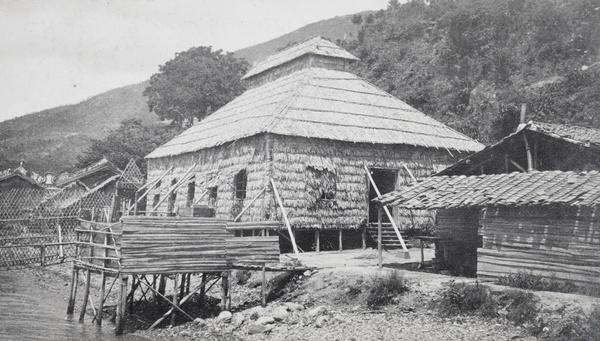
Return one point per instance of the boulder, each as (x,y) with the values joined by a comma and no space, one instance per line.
(294,306)
(280,314)
(264,320)
(224,317)
(321,321)
(199,322)
(237,320)
(259,328)
(318,311)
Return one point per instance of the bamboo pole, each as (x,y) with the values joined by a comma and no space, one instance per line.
(379,242)
(175,298)
(363,235)
(183,179)
(248,206)
(528,151)
(387,211)
(86,294)
(411,174)
(121,306)
(60,248)
(317,240)
(224,290)
(102,286)
(285,218)
(183,300)
(154,182)
(264,286)
(73,290)
(340,240)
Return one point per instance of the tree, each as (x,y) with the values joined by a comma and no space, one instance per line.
(194,84)
(131,140)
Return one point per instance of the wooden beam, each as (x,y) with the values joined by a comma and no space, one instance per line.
(387,211)
(250,204)
(517,165)
(121,306)
(153,183)
(285,218)
(411,174)
(186,176)
(73,290)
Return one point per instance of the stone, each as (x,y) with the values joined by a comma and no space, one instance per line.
(320,310)
(237,320)
(199,322)
(280,314)
(265,320)
(307,273)
(321,321)
(294,306)
(256,311)
(259,329)
(224,317)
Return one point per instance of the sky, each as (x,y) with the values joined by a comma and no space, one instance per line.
(64,51)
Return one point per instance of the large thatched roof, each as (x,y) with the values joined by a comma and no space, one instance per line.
(319,103)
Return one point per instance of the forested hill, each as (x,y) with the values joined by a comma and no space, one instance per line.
(471,63)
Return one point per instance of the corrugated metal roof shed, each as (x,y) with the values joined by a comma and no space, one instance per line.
(513,189)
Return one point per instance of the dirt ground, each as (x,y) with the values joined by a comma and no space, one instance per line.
(333,274)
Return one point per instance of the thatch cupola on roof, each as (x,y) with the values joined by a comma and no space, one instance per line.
(311,127)
(316,52)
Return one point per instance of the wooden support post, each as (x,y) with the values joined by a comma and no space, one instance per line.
(229,285)
(102,286)
(224,290)
(379,240)
(73,291)
(363,235)
(175,298)
(203,288)
(131,296)
(528,151)
(121,306)
(135,203)
(187,286)
(61,251)
(86,294)
(340,240)
(285,217)
(182,286)
(317,240)
(264,286)
(43,255)
(162,284)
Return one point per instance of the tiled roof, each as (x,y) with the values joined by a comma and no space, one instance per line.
(513,189)
(316,45)
(575,134)
(319,103)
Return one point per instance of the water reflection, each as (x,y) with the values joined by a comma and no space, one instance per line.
(29,313)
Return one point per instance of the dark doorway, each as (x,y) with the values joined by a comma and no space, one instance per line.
(385,179)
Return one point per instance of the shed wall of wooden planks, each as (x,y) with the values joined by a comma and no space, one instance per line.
(159,245)
(547,240)
(457,247)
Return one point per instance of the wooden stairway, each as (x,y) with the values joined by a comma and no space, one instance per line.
(388,235)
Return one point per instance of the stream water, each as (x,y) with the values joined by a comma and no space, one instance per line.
(27,312)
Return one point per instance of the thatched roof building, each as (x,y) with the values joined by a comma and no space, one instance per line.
(541,222)
(311,127)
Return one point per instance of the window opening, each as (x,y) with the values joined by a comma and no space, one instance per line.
(385,179)
(191,193)
(241,181)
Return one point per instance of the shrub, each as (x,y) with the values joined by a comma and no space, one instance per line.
(462,298)
(242,276)
(521,306)
(383,289)
(530,281)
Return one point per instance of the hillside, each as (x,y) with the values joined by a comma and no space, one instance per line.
(333,29)
(51,140)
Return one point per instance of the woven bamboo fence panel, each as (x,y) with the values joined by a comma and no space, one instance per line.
(159,245)
(38,226)
(560,243)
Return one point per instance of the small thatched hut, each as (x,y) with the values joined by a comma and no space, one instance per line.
(311,127)
(541,222)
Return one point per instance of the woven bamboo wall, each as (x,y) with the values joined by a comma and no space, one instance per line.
(217,167)
(294,156)
(549,241)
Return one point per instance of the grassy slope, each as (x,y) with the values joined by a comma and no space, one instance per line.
(51,140)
